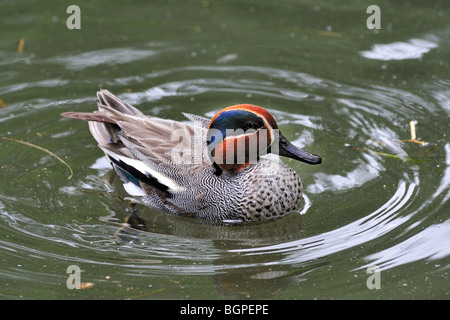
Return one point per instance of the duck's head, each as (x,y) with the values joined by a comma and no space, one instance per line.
(239,134)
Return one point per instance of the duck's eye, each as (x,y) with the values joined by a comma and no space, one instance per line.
(250,125)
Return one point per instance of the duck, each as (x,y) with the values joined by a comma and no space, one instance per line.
(224,169)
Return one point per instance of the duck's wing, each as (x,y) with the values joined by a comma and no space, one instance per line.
(156,152)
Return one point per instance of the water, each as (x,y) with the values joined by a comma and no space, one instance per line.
(336,88)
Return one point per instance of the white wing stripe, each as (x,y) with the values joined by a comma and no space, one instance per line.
(144,169)
(133,189)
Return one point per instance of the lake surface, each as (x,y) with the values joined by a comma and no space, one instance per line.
(376,219)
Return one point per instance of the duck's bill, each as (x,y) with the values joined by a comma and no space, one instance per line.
(287,149)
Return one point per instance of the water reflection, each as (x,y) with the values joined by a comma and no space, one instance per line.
(444,185)
(386,218)
(218,250)
(113,56)
(430,243)
(263,260)
(412,49)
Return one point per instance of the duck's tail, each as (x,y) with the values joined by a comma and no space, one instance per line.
(103,123)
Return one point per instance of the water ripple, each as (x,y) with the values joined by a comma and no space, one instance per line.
(430,243)
(370,227)
(316,113)
(412,49)
(105,56)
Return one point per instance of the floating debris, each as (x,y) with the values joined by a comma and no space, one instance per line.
(227,58)
(412,127)
(42,149)
(21,45)
(84,285)
(384,154)
(149,293)
(79,227)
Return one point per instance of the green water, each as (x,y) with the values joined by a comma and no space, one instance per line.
(336,88)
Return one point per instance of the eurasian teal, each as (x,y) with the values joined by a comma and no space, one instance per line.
(223,169)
